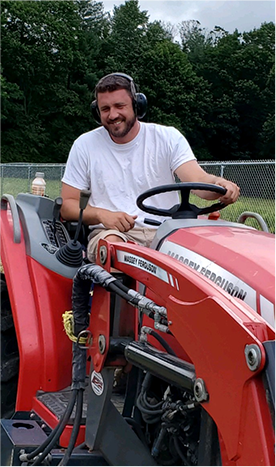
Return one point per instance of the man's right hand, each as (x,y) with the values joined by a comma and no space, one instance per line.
(120,221)
(117,220)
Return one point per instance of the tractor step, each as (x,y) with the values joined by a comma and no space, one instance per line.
(57,402)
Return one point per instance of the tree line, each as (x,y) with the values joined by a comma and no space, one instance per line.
(217,88)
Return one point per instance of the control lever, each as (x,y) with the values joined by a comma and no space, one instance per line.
(84,197)
(71,253)
(56,210)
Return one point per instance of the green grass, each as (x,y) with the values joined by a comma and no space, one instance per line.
(264,207)
(13,186)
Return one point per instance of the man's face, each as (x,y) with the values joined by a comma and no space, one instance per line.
(117,115)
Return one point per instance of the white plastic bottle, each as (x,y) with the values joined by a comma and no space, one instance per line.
(39,184)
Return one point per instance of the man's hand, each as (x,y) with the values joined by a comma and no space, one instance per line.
(120,221)
(232,193)
(117,220)
(192,172)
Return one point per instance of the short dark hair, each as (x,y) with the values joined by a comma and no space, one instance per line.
(114,82)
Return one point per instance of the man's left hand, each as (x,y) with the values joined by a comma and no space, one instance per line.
(232,193)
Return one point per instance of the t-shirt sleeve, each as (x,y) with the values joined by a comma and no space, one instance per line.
(76,171)
(181,151)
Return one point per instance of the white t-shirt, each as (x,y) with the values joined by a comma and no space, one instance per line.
(117,174)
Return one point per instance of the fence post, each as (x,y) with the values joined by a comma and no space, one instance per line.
(29,178)
(2,178)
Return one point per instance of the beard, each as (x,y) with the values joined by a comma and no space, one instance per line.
(121,133)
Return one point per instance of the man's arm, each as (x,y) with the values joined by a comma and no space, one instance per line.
(192,172)
(92,215)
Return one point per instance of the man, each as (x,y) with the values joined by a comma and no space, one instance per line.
(122,159)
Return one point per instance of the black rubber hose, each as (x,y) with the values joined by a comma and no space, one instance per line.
(145,410)
(121,286)
(47,445)
(122,293)
(148,405)
(179,451)
(162,341)
(143,394)
(78,385)
(80,303)
(75,430)
(78,367)
(174,456)
(81,287)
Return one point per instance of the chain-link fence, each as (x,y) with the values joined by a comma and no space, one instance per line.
(256,180)
(17,178)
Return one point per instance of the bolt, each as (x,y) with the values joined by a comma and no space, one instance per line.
(200,392)
(253,356)
(102,344)
(103,254)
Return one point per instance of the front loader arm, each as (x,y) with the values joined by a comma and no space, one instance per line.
(223,338)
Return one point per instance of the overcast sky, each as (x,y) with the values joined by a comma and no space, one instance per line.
(230,15)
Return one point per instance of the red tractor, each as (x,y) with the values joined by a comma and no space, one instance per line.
(169,360)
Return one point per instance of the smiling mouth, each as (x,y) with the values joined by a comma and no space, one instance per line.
(115,122)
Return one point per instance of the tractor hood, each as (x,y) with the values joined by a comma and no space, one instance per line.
(239,259)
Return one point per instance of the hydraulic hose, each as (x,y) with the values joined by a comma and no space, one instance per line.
(161,341)
(179,451)
(77,387)
(80,295)
(78,367)
(148,405)
(80,303)
(47,445)
(81,286)
(146,411)
(75,430)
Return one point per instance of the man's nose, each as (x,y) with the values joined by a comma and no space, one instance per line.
(113,113)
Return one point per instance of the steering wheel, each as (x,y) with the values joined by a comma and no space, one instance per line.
(184,210)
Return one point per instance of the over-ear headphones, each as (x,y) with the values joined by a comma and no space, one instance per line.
(139,99)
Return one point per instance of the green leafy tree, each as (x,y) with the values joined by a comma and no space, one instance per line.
(217,88)
(131,36)
(46,54)
(267,134)
(176,95)
(238,69)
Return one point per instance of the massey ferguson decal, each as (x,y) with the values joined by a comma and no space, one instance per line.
(220,276)
(141,263)
(97,383)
